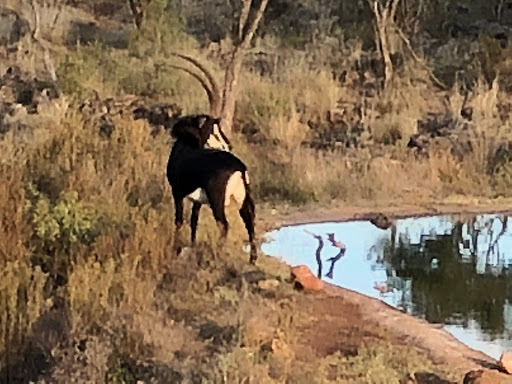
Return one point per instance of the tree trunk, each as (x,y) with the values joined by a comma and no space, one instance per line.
(137,9)
(247,25)
(230,92)
(384,51)
(384,21)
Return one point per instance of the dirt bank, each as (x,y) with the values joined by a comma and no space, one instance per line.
(341,319)
(271,218)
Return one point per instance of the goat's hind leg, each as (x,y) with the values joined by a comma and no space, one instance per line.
(194,218)
(220,217)
(247,213)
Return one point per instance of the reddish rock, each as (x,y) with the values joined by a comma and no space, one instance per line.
(482,376)
(305,279)
(506,361)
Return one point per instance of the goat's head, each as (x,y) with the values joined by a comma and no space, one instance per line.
(201,131)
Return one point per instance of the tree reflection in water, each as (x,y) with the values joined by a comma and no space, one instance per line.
(459,272)
(447,269)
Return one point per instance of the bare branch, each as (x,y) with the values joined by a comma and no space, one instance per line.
(384,20)
(252,24)
(223,104)
(137,12)
(499,10)
(244,16)
(56,17)
(394,4)
(48,62)
(434,78)
(37,20)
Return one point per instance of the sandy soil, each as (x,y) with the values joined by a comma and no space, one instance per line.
(341,319)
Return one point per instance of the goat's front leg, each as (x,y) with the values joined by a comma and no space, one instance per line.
(178,215)
(178,222)
(194,218)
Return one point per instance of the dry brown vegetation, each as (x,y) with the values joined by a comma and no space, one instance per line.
(90,289)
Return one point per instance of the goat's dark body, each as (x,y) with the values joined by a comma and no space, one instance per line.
(191,166)
(189,169)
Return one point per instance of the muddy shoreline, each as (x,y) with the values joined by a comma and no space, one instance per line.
(440,346)
(270,220)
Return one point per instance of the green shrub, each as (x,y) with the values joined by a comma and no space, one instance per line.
(59,229)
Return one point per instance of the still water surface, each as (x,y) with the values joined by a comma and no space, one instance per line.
(453,270)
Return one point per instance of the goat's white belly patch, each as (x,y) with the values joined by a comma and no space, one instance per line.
(235,188)
(199,196)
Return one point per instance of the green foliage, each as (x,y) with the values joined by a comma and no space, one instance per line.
(85,63)
(161,33)
(61,224)
(118,374)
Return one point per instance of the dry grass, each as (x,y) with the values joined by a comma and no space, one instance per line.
(87,222)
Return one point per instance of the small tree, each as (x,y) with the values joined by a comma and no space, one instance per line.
(384,27)
(223,101)
(42,27)
(138,8)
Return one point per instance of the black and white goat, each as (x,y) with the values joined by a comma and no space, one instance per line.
(202,169)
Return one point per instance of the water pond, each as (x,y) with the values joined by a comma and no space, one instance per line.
(450,270)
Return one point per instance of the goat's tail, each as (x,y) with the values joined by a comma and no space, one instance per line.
(245,178)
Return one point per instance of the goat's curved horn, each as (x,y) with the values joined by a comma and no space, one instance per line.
(212,90)
(211,97)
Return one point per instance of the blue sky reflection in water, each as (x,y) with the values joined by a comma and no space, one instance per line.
(446,269)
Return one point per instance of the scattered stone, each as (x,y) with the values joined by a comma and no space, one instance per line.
(305,279)
(159,116)
(217,334)
(268,285)
(27,103)
(12,28)
(482,376)
(254,276)
(443,130)
(506,361)
(99,112)
(381,221)
(426,378)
